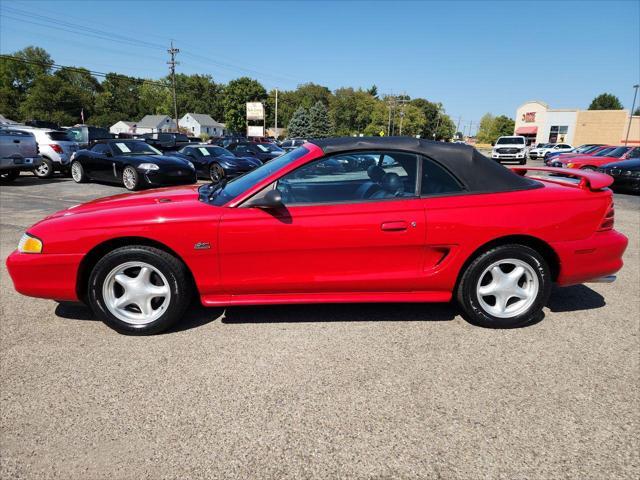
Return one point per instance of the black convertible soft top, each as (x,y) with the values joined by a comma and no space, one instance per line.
(477,172)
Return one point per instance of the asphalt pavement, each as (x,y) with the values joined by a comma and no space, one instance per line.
(323,391)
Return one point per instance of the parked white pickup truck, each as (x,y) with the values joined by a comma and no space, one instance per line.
(510,149)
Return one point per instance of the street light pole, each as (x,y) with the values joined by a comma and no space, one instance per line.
(276,119)
(635,94)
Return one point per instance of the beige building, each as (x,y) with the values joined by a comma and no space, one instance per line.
(541,124)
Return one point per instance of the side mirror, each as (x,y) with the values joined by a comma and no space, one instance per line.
(272,199)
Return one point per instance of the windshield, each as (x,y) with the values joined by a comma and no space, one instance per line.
(510,141)
(604,152)
(134,148)
(268,147)
(618,152)
(241,184)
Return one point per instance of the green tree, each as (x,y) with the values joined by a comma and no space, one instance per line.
(373,91)
(86,86)
(300,124)
(378,122)
(636,112)
(17,77)
(197,94)
(432,114)
(154,99)
(605,101)
(485,130)
(503,126)
(118,100)
(412,120)
(446,128)
(236,94)
(319,122)
(51,98)
(351,110)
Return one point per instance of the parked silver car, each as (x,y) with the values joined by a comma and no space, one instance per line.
(18,152)
(56,148)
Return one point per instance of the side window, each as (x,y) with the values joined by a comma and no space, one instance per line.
(101,148)
(436,180)
(357,177)
(634,153)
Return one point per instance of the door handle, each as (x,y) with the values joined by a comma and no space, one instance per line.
(394,226)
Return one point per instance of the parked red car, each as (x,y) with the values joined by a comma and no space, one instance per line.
(549,160)
(336,220)
(592,162)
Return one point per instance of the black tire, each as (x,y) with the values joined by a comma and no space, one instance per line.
(134,183)
(523,161)
(216,172)
(9,175)
(45,169)
(173,270)
(77,172)
(468,297)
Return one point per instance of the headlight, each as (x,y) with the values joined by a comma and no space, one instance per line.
(29,244)
(148,166)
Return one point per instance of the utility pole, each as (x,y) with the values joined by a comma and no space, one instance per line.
(403,100)
(631,113)
(458,126)
(172,68)
(276,119)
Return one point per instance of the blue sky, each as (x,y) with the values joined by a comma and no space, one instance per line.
(474,57)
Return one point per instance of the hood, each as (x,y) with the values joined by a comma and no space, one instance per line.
(632,164)
(159,196)
(240,161)
(159,160)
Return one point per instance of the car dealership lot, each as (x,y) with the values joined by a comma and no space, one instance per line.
(318,391)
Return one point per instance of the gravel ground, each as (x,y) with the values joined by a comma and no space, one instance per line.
(348,391)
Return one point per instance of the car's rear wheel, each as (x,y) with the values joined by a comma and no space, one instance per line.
(9,175)
(130,178)
(45,169)
(139,290)
(216,172)
(505,287)
(77,172)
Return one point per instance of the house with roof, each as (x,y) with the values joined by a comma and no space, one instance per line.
(200,123)
(155,123)
(123,127)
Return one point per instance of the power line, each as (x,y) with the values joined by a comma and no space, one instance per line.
(84,70)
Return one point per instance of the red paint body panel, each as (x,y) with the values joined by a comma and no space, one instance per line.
(402,250)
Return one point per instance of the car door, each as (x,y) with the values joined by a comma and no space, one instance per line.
(95,162)
(340,230)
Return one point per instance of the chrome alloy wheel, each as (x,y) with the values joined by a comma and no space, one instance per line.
(129,178)
(507,288)
(76,173)
(43,169)
(136,293)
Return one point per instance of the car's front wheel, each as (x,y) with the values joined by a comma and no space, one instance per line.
(505,287)
(130,178)
(139,290)
(9,175)
(77,172)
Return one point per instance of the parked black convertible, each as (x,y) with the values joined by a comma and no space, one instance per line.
(214,162)
(132,163)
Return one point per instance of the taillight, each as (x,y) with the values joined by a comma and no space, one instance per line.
(56,148)
(607,221)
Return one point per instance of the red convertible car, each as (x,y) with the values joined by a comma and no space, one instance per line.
(336,220)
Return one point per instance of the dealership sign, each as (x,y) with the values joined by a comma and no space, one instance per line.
(529,117)
(255,111)
(255,131)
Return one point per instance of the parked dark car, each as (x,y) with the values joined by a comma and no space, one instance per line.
(86,135)
(262,151)
(166,141)
(216,163)
(231,139)
(195,139)
(18,152)
(626,174)
(291,143)
(132,163)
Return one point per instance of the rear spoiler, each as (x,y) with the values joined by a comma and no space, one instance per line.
(588,179)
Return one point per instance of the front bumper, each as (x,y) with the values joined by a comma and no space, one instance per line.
(508,156)
(158,178)
(45,275)
(590,259)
